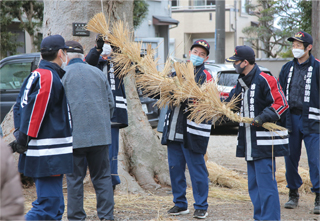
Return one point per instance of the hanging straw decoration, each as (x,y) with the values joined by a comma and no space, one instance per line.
(206,103)
(209,106)
(99,24)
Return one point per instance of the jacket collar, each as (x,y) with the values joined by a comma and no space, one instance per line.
(76,60)
(44,64)
(247,79)
(199,68)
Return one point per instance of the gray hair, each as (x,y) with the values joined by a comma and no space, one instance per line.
(72,55)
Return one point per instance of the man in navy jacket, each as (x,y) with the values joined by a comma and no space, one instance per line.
(263,100)
(299,79)
(187,143)
(99,56)
(41,119)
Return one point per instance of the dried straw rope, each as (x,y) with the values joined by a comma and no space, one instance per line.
(171,90)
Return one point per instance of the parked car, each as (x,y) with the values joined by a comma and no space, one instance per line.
(14,69)
(226,78)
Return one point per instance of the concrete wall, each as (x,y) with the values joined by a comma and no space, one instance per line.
(147,29)
(274,65)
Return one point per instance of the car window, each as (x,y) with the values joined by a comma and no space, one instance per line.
(13,74)
(227,78)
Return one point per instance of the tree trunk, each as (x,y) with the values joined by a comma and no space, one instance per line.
(33,49)
(148,158)
(140,152)
(58,17)
(316,28)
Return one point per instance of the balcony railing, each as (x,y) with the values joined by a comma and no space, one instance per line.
(200,7)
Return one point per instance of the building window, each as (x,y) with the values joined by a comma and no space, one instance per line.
(203,3)
(244,6)
(174,3)
(210,2)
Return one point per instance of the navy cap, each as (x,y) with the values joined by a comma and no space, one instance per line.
(74,46)
(202,43)
(241,53)
(302,37)
(53,43)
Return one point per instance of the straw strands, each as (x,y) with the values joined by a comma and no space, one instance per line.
(282,183)
(224,177)
(204,101)
(99,24)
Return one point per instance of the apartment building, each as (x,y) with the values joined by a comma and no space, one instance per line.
(197,20)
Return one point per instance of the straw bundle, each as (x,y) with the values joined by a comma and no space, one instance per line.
(282,182)
(206,102)
(224,177)
(129,54)
(98,24)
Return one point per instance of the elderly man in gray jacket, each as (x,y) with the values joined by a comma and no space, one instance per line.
(91,103)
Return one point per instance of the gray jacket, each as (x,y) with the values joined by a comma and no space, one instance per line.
(91,103)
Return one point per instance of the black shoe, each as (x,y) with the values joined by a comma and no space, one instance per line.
(293,199)
(316,209)
(200,214)
(176,211)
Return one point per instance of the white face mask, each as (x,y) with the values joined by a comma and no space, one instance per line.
(297,53)
(106,50)
(64,63)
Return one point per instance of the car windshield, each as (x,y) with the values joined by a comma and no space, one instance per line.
(227,78)
(12,75)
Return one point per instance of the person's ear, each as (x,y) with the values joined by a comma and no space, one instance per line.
(206,59)
(60,53)
(309,47)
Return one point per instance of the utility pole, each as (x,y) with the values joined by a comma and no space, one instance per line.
(315,22)
(220,32)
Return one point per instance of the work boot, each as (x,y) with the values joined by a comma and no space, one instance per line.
(293,199)
(316,209)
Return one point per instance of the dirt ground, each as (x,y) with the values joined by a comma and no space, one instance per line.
(154,204)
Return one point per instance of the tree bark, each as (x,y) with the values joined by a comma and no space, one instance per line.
(316,28)
(141,154)
(148,158)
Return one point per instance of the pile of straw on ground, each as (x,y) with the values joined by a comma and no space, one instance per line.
(224,177)
(282,183)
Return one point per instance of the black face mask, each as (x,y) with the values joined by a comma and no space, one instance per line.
(239,70)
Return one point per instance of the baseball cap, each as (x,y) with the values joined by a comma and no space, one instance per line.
(302,37)
(202,43)
(74,46)
(52,43)
(242,52)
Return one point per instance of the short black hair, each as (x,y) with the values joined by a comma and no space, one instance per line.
(49,56)
(252,61)
(305,45)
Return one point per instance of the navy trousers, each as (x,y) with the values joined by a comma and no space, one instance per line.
(113,155)
(178,157)
(263,190)
(97,159)
(311,142)
(49,204)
